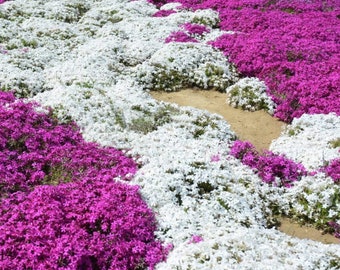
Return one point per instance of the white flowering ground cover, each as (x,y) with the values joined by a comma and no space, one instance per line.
(95,61)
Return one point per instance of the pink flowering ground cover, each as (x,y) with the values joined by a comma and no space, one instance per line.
(61,206)
(189,34)
(291,45)
(163,13)
(272,168)
(278,170)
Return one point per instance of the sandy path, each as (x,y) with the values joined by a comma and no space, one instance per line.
(257,127)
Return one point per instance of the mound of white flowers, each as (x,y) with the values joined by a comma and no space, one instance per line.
(95,61)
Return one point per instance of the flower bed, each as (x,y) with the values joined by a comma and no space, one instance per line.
(94,63)
(273,169)
(291,45)
(61,203)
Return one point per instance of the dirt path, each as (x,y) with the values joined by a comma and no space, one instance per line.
(257,127)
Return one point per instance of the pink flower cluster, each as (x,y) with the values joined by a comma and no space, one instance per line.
(34,148)
(60,206)
(195,29)
(333,170)
(336,227)
(191,30)
(180,36)
(279,170)
(292,45)
(272,168)
(163,13)
(195,239)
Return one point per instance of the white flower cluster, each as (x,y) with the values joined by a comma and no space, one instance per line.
(179,65)
(84,58)
(250,94)
(308,140)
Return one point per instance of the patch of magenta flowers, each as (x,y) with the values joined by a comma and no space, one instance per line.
(34,148)
(179,36)
(61,205)
(336,227)
(195,239)
(291,45)
(163,13)
(195,29)
(333,170)
(273,169)
(190,33)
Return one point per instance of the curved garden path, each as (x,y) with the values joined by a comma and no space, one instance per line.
(257,127)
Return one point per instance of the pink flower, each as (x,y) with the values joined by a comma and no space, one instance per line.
(163,13)
(195,239)
(215,158)
(179,36)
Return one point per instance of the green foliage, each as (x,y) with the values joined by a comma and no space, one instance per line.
(198,132)
(292,131)
(205,121)
(198,165)
(142,125)
(85,85)
(294,56)
(317,213)
(11,46)
(29,43)
(335,143)
(212,22)
(204,187)
(150,121)
(169,80)
(289,10)
(223,203)
(335,263)
(56,175)
(75,12)
(112,16)
(60,114)
(250,96)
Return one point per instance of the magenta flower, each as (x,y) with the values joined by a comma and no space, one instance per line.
(291,45)
(333,170)
(195,239)
(179,36)
(336,227)
(60,204)
(215,158)
(195,29)
(163,13)
(269,166)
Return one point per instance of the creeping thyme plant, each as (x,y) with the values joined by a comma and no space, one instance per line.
(65,201)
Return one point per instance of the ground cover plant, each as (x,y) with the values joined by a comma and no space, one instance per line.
(298,65)
(93,63)
(291,45)
(61,203)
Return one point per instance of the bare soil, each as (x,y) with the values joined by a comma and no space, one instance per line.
(304,232)
(259,128)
